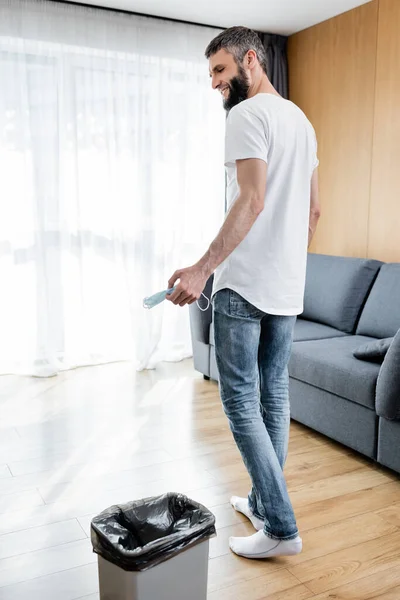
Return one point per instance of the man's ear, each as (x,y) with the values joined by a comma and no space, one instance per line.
(251,59)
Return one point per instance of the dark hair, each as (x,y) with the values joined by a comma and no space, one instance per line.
(238,41)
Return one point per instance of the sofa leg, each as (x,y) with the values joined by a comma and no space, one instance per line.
(206,378)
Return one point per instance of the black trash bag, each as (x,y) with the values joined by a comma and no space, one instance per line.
(144,533)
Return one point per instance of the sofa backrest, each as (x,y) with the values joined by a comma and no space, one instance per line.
(336,289)
(381,314)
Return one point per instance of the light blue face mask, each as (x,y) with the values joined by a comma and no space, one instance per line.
(152,301)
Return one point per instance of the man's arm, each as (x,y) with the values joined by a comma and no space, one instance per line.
(315,207)
(252,181)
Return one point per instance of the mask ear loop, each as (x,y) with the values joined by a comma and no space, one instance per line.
(208,303)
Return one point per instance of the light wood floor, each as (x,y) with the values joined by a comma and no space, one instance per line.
(73,445)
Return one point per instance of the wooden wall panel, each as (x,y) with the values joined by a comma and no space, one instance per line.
(384,222)
(332,78)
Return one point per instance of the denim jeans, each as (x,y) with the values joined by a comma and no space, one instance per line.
(252,351)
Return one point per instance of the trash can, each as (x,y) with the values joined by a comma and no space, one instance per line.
(153,549)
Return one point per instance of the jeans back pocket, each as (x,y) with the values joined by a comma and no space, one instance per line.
(239,307)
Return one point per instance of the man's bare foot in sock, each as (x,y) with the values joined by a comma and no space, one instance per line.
(242,505)
(259,545)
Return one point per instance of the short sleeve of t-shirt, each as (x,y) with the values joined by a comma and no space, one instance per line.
(245,137)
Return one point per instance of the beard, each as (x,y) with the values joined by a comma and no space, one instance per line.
(238,90)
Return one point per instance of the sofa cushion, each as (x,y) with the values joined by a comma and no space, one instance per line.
(303,330)
(380,317)
(375,350)
(388,385)
(309,330)
(336,289)
(330,365)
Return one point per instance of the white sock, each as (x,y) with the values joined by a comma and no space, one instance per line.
(242,506)
(259,545)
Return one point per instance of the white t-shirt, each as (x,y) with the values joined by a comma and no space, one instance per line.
(268,267)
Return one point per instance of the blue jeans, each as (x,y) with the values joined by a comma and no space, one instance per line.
(252,351)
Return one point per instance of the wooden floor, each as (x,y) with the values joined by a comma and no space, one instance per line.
(72,445)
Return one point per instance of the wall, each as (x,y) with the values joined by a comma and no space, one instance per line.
(383,239)
(345,75)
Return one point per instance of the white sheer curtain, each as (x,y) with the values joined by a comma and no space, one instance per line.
(111,177)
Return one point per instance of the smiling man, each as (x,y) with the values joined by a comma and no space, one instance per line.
(259,259)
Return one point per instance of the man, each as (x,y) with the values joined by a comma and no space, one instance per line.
(259,258)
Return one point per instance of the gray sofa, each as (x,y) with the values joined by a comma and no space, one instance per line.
(348,302)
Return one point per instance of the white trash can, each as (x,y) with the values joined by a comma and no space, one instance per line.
(153,549)
(183,577)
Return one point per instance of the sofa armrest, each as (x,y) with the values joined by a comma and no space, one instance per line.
(200,321)
(388,384)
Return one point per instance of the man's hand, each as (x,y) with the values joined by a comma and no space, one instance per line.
(192,282)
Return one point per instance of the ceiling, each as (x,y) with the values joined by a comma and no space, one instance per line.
(274,16)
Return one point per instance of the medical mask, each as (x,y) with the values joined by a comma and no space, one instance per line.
(152,301)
